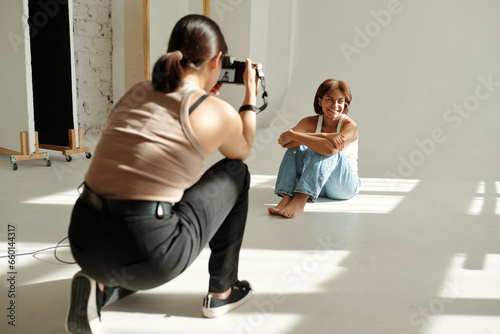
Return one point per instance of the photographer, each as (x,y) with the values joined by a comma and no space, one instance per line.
(146,211)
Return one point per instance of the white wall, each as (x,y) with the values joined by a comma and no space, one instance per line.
(127,21)
(419,62)
(163,16)
(233,19)
(16,97)
(418,70)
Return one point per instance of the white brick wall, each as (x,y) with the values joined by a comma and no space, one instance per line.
(92,35)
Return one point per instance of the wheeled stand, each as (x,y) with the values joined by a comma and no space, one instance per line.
(24,154)
(67,151)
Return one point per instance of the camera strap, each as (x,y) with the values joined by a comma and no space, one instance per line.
(260,74)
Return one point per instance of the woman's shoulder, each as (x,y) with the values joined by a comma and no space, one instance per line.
(215,109)
(218,105)
(307,124)
(310,120)
(349,120)
(142,87)
(135,96)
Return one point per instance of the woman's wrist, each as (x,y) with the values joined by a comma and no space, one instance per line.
(248,107)
(252,101)
(251,92)
(249,101)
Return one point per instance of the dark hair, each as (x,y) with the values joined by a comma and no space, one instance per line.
(194,40)
(329,85)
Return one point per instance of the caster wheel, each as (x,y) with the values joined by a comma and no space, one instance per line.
(69,158)
(15,166)
(48,163)
(88,155)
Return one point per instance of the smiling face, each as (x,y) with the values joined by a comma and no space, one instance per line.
(332,91)
(332,103)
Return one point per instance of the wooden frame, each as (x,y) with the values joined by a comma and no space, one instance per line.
(30,140)
(72,148)
(24,154)
(145,30)
(206,8)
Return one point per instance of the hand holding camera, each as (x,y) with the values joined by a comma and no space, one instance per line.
(250,76)
(247,73)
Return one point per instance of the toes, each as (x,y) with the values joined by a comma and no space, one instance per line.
(274,211)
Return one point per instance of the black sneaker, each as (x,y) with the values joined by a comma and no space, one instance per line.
(241,292)
(85,305)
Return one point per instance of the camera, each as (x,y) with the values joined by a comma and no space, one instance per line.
(232,71)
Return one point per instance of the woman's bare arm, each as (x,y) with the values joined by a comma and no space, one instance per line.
(322,143)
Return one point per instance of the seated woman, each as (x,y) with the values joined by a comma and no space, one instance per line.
(322,153)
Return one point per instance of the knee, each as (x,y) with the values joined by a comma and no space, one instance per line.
(295,151)
(235,167)
(238,170)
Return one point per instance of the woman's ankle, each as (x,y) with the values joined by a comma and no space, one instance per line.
(220,295)
(301,197)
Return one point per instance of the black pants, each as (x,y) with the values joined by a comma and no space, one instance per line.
(142,252)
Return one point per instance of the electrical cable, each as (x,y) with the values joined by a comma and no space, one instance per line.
(43,250)
(55,252)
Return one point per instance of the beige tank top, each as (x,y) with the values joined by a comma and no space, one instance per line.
(148,150)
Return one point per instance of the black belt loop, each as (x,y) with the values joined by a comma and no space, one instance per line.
(159,210)
(80,187)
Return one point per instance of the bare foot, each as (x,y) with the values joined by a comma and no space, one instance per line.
(281,205)
(295,207)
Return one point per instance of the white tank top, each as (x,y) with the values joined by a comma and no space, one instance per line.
(351,151)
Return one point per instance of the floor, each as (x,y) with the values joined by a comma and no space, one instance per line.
(405,256)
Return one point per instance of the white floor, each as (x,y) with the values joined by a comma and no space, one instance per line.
(404,256)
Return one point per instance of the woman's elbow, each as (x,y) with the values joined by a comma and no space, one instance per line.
(241,154)
(241,157)
(329,151)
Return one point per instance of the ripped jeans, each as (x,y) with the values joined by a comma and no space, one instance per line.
(304,171)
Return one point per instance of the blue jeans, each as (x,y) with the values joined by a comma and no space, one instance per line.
(304,171)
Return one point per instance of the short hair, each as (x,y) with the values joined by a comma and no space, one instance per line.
(329,85)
